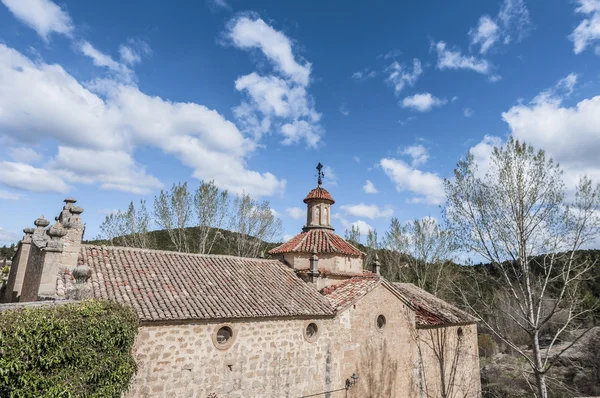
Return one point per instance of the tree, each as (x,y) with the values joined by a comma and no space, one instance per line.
(352,235)
(519,210)
(419,251)
(255,223)
(172,212)
(128,228)
(211,206)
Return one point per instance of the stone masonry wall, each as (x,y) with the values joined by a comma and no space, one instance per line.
(272,358)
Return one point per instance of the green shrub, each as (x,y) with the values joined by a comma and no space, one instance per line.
(72,350)
(5,270)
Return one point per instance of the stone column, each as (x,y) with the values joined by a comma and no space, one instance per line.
(313,272)
(18,267)
(35,262)
(70,219)
(376,265)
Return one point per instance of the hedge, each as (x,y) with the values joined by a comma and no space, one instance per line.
(71,350)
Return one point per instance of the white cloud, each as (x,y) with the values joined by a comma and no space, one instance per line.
(219,4)
(429,186)
(344,109)
(362,226)
(468,112)
(364,74)
(571,135)
(588,31)
(399,76)
(28,178)
(454,59)
(485,35)
(330,175)
(42,101)
(8,237)
(482,153)
(296,212)
(369,187)
(24,155)
(512,20)
(367,211)
(6,195)
(247,33)
(43,16)
(418,153)
(568,83)
(133,52)
(104,60)
(356,159)
(274,103)
(422,102)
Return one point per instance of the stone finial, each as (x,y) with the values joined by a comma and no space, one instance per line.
(41,222)
(82,273)
(376,265)
(28,230)
(76,210)
(56,231)
(70,200)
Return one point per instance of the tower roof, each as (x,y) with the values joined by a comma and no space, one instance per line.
(324,240)
(319,193)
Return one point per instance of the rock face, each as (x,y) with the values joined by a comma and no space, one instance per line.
(577,369)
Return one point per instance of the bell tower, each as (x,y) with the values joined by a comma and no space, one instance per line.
(318,205)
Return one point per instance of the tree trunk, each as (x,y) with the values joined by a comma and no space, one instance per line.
(540,375)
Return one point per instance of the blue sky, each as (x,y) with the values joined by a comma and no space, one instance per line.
(110,101)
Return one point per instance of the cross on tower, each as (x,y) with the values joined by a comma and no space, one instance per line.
(320,173)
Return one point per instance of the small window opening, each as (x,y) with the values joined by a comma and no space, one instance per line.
(311,330)
(459,332)
(224,335)
(381,322)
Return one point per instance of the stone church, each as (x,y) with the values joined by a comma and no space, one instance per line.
(312,321)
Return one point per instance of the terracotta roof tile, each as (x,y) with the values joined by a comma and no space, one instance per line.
(325,240)
(430,310)
(319,193)
(162,285)
(348,292)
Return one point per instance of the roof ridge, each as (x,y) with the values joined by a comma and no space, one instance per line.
(144,250)
(301,240)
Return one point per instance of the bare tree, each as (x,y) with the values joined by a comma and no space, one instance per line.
(255,223)
(420,251)
(372,246)
(128,228)
(172,212)
(352,235)
(212,209)
(517,218)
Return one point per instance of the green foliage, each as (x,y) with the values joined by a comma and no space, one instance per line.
(5,270)
(72,350)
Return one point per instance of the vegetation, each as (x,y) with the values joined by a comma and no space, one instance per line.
(72,350)
(194,222)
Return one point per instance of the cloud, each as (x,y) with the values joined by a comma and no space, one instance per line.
(356,159)
(369,187)
(274,103)
(28,178)
(486,34)
(418,153)
(330,175)
(8,237)
(362,226)
(399,76)
(133,52)
(219,4)
(571,135)
(103,60)
(296,212)
(247,33)
(364,74)
(468,112)
(422,102)
(482,153)
(429,186)
(43,16)
(344,109)
(43,102)
(454,59)
(568,83)
(6,195)
(588,31)
(512,20)
(367,211)
(24,155)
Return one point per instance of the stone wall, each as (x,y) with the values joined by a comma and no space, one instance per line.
(272,358)
(453,349)
(328,263)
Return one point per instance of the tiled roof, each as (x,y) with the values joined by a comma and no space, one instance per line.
(319,193)
(325,240)
(430,310)
(344,294)
(162,285)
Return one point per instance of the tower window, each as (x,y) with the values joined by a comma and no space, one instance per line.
(381,321)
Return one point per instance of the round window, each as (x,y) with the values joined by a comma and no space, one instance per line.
(380,322)
(311,332)
(223,337)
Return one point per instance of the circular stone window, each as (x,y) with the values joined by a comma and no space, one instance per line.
(223,337)
(311,332)
(381,322)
